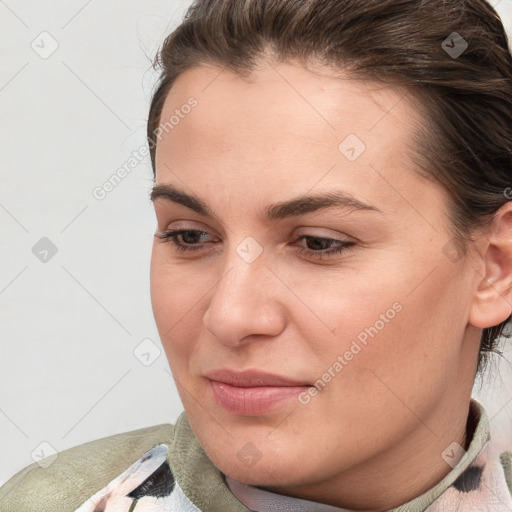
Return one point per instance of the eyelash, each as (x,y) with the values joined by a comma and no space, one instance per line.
(172,235)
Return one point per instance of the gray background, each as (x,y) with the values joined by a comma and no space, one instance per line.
(80,356)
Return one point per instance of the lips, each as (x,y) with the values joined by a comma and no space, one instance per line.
(253,378)
(252,392)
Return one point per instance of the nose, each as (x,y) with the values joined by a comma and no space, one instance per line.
(245,303)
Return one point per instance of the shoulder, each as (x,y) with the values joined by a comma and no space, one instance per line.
(64,481)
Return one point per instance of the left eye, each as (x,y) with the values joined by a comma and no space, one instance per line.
(320,243)
(190,242)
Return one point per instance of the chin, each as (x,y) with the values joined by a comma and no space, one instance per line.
(261,474)
(251,456)
(270,467)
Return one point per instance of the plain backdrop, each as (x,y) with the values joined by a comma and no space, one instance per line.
(80,356)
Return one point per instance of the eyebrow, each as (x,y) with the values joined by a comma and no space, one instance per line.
(291,208)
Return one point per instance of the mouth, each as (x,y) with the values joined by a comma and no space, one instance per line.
(253,378)
(252,392)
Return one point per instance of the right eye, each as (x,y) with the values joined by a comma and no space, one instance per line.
(189,238)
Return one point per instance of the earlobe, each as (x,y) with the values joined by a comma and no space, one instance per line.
(492,300)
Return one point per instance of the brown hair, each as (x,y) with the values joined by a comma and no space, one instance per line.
(465,99)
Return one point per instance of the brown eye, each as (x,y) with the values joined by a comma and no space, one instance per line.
(318,245)
(189,238)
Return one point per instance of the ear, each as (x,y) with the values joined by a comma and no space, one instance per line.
(492,301)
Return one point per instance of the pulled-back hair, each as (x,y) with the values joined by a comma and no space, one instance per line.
(465,98)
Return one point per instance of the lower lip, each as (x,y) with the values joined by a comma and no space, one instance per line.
(252,401)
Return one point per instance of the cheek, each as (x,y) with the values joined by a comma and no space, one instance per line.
(402,327)
(175,296)
(337,309)
(395,349)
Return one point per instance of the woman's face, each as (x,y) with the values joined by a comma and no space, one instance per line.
(368,345)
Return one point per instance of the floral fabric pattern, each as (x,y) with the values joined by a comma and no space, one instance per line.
(148,485)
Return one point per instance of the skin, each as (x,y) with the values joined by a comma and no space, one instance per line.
(372,438)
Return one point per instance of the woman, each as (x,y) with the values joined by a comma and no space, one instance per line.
(332,265)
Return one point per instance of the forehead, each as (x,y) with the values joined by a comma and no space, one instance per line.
(285,126)
(287,93)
